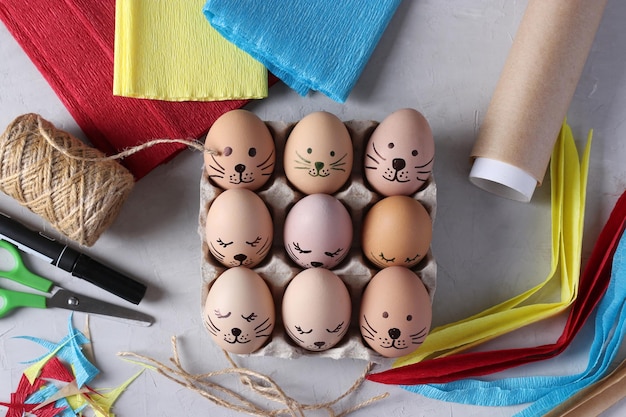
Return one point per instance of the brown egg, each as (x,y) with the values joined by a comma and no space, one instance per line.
(239,311)
(316,309)
(396,312)
(400,153)
(246,153)
(318,154)
(396,231)
(239,229)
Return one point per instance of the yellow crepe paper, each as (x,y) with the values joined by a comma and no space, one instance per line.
(568,193)
(167,50)
(33,371)
(102,401)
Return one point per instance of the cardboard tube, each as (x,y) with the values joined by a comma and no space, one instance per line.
(533,94)
(597,398)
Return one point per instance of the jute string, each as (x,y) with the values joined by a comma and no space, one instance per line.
(258,383)
(78,189)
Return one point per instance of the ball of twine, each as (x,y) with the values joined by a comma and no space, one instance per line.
(73,186)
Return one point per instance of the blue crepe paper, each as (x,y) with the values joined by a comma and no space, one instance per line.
(70,351)
(546,392)
(310,45)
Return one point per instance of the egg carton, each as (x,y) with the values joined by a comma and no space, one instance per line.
(278,269)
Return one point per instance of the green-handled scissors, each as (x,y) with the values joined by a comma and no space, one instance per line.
(60,297)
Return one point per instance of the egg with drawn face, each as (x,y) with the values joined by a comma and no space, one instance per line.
(316,309)
(396,312)
(239,311)
(318,232)
(396,231)
(318,154)
(399,154)
(240,151)
(239,228)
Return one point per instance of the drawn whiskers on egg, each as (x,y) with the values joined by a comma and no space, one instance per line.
(267,165)
(292,334)
(368,331)
(264,248)
(371,158)
(213,329)
(338,164)
(418,338)
(217,254)
(260,330)
(427,173)
(317,167)
(219,169)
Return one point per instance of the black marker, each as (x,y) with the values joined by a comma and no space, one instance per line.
(70,260)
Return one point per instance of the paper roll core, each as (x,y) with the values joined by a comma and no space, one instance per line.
(503,179)
(532,96)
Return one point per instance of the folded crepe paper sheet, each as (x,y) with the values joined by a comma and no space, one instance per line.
(71,43)
(54,384)
(569,179)
(321,46)
(167,50)
(544,393)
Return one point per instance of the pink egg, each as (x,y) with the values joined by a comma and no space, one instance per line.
(400,153)
(318,232)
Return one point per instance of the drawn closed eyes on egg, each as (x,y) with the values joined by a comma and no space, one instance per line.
(239,228)
(239,311)
(316,309)
(248,256)
(318,232)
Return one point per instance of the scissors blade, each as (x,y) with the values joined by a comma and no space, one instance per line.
(71,301)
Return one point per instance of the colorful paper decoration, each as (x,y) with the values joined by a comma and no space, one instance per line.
(569,178)
(307,45)
(167,50)
(71,43)
(593,284)
(55,384)
(546,392)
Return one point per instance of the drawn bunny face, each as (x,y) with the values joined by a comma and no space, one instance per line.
(239,311)
(396,312)
(316,309)
(318,154)
(400,153)
(243,151)
(318,232)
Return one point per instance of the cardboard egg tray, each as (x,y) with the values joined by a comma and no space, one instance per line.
(278,269)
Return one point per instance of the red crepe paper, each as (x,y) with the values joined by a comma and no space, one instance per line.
(55,370)
(593,283)
(71,44)
(18,406)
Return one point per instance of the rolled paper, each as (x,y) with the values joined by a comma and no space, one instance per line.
(532,96)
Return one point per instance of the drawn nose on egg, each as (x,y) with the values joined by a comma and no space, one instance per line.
(319,345)
(241,257)
(316,264)
(394,333)
(235,331)
(398,164)
(240,168)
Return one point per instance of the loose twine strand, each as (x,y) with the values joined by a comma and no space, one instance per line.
(258,383)
(76,187)
(191,143)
